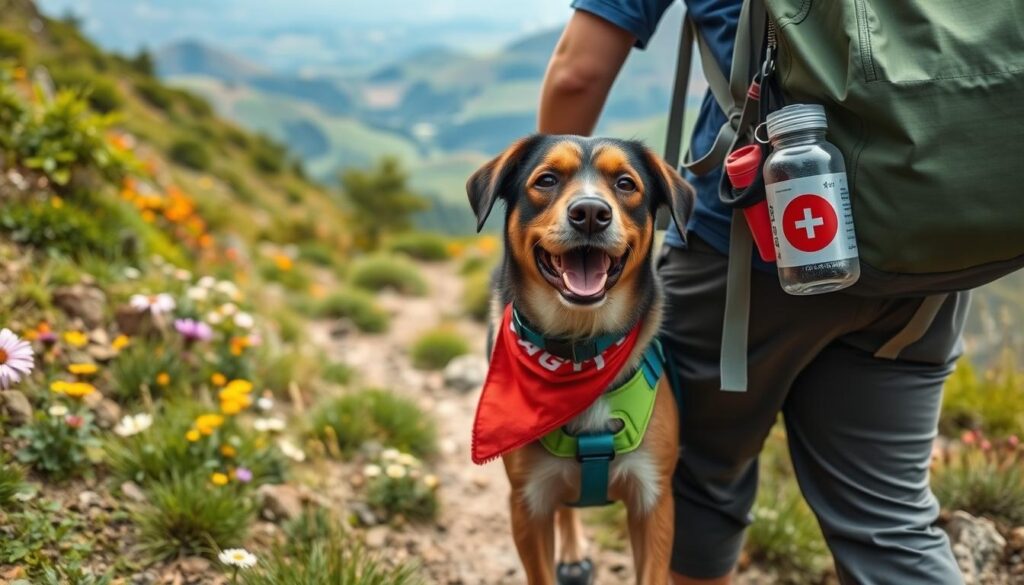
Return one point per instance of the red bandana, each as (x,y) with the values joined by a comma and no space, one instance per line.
(529,392)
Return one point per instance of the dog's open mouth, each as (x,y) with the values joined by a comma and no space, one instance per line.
(582,275)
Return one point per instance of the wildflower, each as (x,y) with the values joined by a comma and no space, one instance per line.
(237,557)
(283,262)
(58,410)
(214,318)
(371,471)
(219,478)
(1013,441)
(193,330)
(237,387)
(197,293)
(83,369)
(73,389)
(268,425)
(430,480)
(133,425)
(265,402)
(395,471)
(183,275)
(218,379)
(244,320)
(42,333)
(234,405)
(207,423)
(75,338)
(155,304)
(235,396)
(74,421)
(986,445)
(407,460)
(228,451)
(120,342)
(227,288)
(969,437)
(238,345)
(15,359)
(59,386)
(243,474)
(163,379)
(131,273)
(192,435)
(389,454)
(290,451)
(228,309)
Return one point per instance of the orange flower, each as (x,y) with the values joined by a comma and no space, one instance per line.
(218,379)
(228,451)
(238,345)
(283,262)
(163,379)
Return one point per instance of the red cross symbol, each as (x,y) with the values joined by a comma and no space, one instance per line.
(810,222)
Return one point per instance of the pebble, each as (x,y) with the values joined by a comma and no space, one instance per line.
(133,492)
(376,536)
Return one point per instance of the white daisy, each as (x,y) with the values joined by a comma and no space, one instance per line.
(228,288)
(15,359)
(265,403)
(133,425)
(268,425)
(228,309)
(197,293)
(371,471)
(395,471)
(389,454)
(244,320)
(183,275)
(291,451)
(58,410)
(407,460)
(237,557)
(206,282)
(214,318)
(155,304)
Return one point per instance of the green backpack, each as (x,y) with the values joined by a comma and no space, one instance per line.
(924,99)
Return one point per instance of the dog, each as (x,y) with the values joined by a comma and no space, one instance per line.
(579,238)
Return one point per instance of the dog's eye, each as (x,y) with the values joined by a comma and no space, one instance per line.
(546,181)
(625,184)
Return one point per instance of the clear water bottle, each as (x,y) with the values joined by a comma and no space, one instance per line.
(809,204)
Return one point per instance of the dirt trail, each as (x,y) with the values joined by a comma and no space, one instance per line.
(471,543)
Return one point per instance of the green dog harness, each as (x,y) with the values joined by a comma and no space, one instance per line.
(632,404)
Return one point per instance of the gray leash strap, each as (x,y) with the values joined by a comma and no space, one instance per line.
(914,330)
(735,325)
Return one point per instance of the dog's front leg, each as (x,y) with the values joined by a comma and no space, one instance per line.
(535,540)
(650,534)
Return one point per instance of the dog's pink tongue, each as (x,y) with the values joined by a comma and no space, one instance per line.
(585,272)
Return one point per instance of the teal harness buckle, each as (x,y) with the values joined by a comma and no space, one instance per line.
(595,454)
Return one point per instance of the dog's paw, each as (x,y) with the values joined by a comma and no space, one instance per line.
(581,573)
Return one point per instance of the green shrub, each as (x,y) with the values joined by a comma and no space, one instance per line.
(196,105)
(378,272)
(101,93)
(982,477)
(30,535)
(141,365)
(277,369)
(65,573)
(12,45)
(58,445)
(476,295)
(63,228)
(993,402)
(355,305)
(317,552)
(191,153)
(318,253)
(424,246)
(189,516)
(12,482)
(397,486)
(353,419)
(337,373)
(164,450)
(434,349)
(155,93)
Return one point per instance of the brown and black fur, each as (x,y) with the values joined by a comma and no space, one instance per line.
(536,218)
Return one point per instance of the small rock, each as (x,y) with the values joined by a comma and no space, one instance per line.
(465,373)
(88,499)
(194,565)
(84,302)
(133,492)
(16,406)
(99,336)
(280,502)
(977,546)
(101,353)
(1016,540)
(363,513)
(108,413)
(377,536)
(480,481)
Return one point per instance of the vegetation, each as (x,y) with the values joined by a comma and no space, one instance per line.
(476,296)
(434,349)
(993,402)
(191,153)
(356,306)
(380,201)
(352,420)
(983,477)
(12,482)
(398,486)
(429,247)
(379,272)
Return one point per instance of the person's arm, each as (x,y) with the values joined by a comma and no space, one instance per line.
(581,72)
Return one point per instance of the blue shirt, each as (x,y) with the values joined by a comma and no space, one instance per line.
(717,21)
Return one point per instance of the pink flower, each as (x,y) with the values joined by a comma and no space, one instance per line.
(243,474)
(74,421)
(193,330)
(15,359)
(986,445)
(1013,441)
(969,437)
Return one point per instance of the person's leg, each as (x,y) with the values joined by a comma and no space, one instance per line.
(860,431)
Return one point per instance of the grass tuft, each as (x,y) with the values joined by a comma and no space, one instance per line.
(425,246)
(353,419)
(434,349)
(380,271)
(355,305)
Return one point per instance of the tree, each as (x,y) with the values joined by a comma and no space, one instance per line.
(380,200)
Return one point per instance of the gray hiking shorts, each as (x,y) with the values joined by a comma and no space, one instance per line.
(860,428)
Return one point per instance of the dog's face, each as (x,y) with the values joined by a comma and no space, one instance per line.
(580,219)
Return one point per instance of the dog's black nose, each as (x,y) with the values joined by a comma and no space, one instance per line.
(590,215)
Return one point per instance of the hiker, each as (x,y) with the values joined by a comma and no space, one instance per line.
(860,419)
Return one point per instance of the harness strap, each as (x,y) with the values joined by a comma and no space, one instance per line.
(576,351)
(914,330)
(595,453)
(735,324)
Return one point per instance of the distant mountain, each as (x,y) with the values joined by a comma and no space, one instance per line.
(196,58)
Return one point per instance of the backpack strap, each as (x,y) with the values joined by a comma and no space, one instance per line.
(915,329)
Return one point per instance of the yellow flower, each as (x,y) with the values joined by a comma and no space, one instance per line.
(56,202)
(76,338)
(120,342)
(192,435)
(235,404)
(78,389)
(207,423)
(283,262)
(218,379)
(83,369)
(228,451)
(219,478)
(59,386)
(238,345)
(148,216)
(236,388)
(163,379)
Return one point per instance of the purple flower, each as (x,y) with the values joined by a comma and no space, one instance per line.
(193,330)
(243,474)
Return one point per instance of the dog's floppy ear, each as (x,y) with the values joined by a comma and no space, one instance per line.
(672,190)
(490,181)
